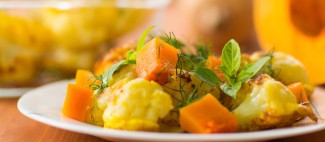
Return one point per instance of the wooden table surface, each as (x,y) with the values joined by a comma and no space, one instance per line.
(14,127)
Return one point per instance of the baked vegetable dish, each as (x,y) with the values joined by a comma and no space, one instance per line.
(162,86)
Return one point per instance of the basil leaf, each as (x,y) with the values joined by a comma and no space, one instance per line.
(143,38)
(231,57)
(131,57)
(206,75)
(231,90)
(251,69)
(109,73)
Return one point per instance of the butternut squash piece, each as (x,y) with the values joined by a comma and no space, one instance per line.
(298,90)
(77,102)
(212,63)
(156,61)
(84,78)
(207,115)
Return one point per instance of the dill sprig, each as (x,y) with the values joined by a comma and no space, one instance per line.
(97,85)
(203,50)
(171,39)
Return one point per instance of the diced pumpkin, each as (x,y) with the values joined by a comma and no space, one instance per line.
(207,115)
(84,78)
(212,63)
(298,90)
(77,102)
(156,61)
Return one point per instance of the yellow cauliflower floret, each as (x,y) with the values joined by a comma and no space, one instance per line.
(120,77)
(287,70)
(138,105)
(290,70)
(268,104)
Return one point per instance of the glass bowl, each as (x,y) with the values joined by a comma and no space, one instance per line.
(43,41)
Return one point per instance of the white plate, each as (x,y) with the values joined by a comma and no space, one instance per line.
(12,92)
(44,104)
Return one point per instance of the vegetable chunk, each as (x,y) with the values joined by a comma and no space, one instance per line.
(77,102)
(137,106)
(156,61)
(207,115)
(213,63)
(84,78)
(298,90)
(269,104)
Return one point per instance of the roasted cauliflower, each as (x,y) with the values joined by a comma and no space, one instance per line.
(268,105)
(286,69)
(138,105)
(119,78)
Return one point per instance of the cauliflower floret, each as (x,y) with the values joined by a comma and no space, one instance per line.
(119,78)
(138,105)
(269,104)
(287,70)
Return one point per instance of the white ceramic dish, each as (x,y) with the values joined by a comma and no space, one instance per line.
(12,92)
(44,104)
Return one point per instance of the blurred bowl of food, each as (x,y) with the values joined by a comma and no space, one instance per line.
(43,41)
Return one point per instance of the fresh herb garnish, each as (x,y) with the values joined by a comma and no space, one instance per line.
(206,75)
(194,64)
(131,57)
(191,98)
(231,89)
(142,39)
(203,50)
(231,59)
(269,65)
(109,73)
(171,39)
(251,69)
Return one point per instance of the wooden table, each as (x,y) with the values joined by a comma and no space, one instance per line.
(16,128)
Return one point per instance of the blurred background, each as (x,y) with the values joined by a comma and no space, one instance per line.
(43,41)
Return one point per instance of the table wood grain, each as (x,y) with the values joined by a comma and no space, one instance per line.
(14,127)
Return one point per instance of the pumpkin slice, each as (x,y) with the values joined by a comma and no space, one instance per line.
(207,115)
(294,27)
(156,61)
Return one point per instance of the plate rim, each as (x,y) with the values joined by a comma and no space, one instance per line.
(13,92)
(106,133)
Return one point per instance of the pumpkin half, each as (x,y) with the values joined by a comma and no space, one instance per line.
(294,27)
